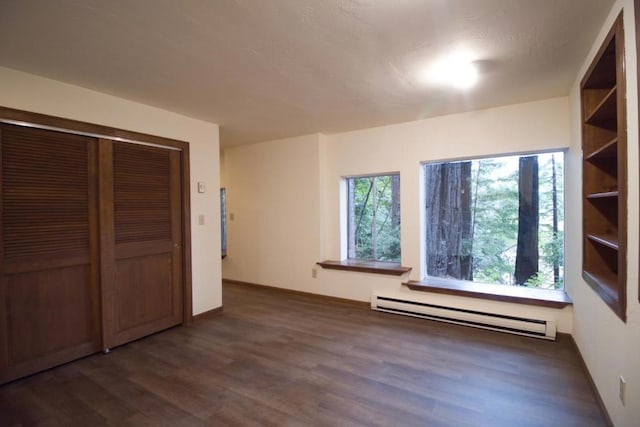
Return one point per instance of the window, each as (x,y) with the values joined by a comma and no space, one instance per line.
(496,220)
(373,211)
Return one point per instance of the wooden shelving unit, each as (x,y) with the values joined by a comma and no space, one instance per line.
(604,172)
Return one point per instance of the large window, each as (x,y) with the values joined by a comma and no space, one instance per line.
(497,220)
(374,218)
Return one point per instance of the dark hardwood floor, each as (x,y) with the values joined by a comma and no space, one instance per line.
(274,358)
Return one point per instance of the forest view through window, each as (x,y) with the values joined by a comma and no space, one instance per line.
(374,218)
(497,220)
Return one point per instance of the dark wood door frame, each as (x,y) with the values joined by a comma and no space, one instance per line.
(42,121)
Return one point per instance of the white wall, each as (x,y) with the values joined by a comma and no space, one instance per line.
(299,179)
(610,347)
(36,94)
(518,128)
(272,195)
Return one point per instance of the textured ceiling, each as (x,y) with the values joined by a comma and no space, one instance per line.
(266,69)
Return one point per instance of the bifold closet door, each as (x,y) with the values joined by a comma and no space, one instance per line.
(49,276)
(141,225)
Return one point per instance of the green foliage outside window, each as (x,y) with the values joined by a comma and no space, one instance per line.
(374,218)
(486,244)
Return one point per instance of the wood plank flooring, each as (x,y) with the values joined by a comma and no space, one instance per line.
(277,359)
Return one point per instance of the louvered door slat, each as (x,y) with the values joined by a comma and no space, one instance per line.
(141,193)
(45,192)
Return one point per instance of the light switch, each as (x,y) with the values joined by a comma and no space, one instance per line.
(201,219)
(202,187)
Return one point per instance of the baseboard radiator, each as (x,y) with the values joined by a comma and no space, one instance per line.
(538,328)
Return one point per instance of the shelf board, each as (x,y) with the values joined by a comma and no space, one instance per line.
(606,285)
(606,282)
(607,151)
(366,266)
(608,240)
(514,294)
(604,195)
(605,113)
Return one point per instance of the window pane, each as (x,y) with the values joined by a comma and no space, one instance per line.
(374,218)
(497,220)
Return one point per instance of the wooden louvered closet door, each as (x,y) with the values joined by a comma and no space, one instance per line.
(142,240)
(49,290)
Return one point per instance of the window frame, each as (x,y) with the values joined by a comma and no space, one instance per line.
(442,281)
(347,214)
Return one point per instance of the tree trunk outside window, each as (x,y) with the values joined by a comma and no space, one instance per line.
(449,240)
(528,223)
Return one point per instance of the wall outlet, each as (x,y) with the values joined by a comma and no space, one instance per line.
(623,389)
(314,273)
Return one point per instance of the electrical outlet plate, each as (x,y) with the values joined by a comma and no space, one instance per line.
(623,389)
(314,273)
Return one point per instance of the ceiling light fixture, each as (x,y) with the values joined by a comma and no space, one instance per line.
(456,70)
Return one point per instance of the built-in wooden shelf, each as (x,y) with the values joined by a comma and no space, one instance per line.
(604,172)
(603,195)
(605,283)
(605,114)
(610,241)
(607,151)
(366,266)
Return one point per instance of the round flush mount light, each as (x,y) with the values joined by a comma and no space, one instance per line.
(456,70)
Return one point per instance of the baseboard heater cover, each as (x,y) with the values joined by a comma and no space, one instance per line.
(537,328)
